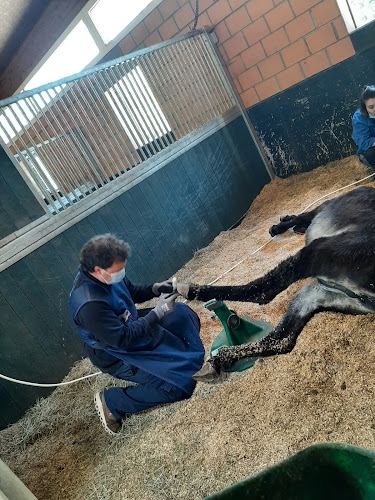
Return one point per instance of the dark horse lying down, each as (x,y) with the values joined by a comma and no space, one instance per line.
(339,253)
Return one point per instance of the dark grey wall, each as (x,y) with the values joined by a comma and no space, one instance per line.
(309,124)
(166,218)
(18,206)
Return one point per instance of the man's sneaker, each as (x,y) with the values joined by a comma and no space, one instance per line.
(110,423)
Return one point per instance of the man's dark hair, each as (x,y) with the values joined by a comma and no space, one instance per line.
(103,251)
(367,93)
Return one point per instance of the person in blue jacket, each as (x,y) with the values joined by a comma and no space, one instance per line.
(364,127)
(159,349)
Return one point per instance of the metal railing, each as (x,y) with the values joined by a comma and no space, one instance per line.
(71,137)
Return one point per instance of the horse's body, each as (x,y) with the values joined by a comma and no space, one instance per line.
(339,253)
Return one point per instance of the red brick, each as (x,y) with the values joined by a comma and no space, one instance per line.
(235,4)
(256,31)
(249,97)
(295,53)
(340,27)
(271,66)
(219,11)
(127,44)
(238,20)
(237,85)
(315,64)
(221,31)
(340,50)
(249,78)
(325,12)
(275,41)
(184,30)
(321,38)
(267,88)
(139,33)
(236,66)
(235,45)
(253,55)
(203,5)
(204,20)
(184,16)
(153,20)
(167,8)
(223,53)
(300,27)
(168,29)
(279,16)
(257,8)
(289,77)
(300,6)
(153,39)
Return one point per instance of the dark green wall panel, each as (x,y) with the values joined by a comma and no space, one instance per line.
(310,124)
(18,206)
(179,209)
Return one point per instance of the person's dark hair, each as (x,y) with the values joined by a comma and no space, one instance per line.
(367,93)
(103,251)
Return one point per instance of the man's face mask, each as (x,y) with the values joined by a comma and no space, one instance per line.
(115,277)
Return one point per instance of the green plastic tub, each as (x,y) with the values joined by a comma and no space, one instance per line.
(320,472)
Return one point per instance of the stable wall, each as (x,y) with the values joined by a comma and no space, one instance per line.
(310,124)
(18,205)
(297,70)
(278,53)
(165,218)
(267,45)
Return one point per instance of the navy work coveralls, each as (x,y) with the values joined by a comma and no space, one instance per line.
(159,355)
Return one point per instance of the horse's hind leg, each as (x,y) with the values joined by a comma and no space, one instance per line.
(312,298)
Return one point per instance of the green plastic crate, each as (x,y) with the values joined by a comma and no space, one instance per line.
(321,472)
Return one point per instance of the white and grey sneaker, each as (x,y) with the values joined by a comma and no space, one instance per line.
(110,423)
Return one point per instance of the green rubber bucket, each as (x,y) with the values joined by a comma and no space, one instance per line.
(237,330)
(327,471)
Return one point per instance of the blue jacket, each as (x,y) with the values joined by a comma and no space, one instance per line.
(170,348)
(363,131)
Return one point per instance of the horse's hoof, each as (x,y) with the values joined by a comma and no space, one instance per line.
(206,374)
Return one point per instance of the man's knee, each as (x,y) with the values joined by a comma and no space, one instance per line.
(174,393)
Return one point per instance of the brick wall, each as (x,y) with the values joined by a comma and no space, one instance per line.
(267,45)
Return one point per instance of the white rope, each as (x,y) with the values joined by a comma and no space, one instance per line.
(336,191)
(308,206)
(211,283)
(34,384)
(240,262)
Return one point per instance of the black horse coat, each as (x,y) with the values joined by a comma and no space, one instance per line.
(339,253)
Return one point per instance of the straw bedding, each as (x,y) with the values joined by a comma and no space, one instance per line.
(323,391)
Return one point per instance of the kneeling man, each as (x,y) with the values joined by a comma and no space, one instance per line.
(159,349)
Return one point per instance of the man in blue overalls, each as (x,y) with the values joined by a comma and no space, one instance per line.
(159,350)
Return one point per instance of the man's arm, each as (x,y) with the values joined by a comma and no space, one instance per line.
(100,320)
(139,293)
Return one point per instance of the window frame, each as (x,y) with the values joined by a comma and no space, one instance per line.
(104,48)
(348,17)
